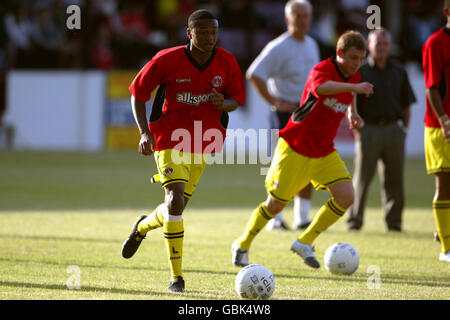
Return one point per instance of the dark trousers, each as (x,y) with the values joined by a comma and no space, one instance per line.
(382,146)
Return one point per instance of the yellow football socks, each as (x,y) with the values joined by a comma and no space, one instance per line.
(441,210)
(258,221)
(153,221)
(327,216)
(174,234)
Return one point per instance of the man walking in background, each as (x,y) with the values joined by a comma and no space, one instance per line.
(381,141)
(279,75)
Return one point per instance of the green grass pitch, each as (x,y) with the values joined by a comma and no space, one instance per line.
(64,216)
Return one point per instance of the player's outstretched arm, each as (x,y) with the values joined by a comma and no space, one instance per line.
(335,87)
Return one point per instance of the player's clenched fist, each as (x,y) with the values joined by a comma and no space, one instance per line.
(445,127)
(217,99)
(365,88)
(147,144)
(355,120)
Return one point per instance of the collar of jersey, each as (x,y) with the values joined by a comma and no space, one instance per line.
(200,67)
(333,59)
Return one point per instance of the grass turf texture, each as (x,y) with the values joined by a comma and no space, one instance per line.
(63,209)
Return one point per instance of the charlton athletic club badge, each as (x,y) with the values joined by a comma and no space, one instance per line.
(168,170)
(217,81)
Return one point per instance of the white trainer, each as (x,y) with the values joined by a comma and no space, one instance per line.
(306,251)
(276,225)
(445,256)
(240,256)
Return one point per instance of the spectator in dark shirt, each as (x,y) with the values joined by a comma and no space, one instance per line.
(381,141)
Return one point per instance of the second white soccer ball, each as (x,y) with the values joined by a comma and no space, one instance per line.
(341,258)
(255,282)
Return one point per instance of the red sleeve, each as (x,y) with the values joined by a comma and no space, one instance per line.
(432,64)
(147,80)
(319,75)
(235,87)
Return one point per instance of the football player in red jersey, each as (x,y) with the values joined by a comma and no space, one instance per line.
(198,85)
(436,67)
(305,151)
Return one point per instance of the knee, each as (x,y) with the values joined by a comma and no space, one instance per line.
(442,186)
(345,200)
(175,202)
(343,194)
(274,206)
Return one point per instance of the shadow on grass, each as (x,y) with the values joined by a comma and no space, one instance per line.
(190,294)
(115,267)
(380,234)
(405,234)
(26,285)
(384,278)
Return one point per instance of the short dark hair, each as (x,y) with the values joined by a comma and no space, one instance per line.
(200,14)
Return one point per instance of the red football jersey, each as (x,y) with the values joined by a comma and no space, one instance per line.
(436,68)
(182,108)
(313,126)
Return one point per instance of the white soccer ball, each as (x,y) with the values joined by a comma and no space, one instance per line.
(341,258)
(255,282)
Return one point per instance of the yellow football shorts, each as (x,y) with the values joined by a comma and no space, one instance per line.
(437,151)
(290,172)
(177,166)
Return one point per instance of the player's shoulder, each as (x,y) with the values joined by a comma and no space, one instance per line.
(437,37)
(169,52)
(322,68)
(326,64)
(224,54)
